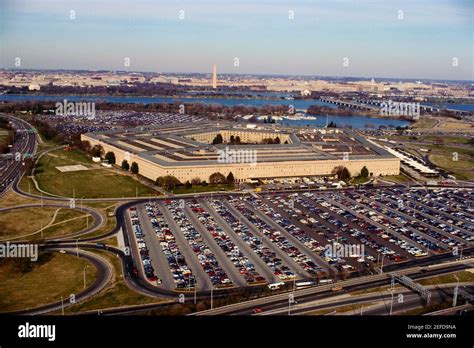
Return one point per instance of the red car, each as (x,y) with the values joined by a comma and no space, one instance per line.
(258,310)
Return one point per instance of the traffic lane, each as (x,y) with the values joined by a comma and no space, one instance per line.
(412,301)
(289,262)
(202,279)
(350,285)
(385,300)
(221,256)
(260,266)
(158,259)
(26,146)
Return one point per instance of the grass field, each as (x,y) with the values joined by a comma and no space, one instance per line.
(117,294)
(442,156)
(68,221)
(3,134)
(424,123)
(11,199)
(442,124)
(53,276)
(461,169)
(200,188)
(97,182)
(450,125)
(359,180)
(445,139)
(25,221)
(397,178)
(463,276)
(110,223)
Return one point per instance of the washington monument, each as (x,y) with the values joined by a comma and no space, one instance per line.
(214,77)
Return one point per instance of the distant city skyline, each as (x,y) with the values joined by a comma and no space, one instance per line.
(391,39)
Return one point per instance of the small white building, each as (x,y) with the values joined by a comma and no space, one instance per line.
(34,87)
(305,92)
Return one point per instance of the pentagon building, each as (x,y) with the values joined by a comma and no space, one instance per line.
(187,151)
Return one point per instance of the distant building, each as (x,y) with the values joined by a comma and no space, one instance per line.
(214,77)
(305,92)
(34,87)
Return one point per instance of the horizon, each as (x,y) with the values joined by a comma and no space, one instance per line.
(395,39)
(322,77)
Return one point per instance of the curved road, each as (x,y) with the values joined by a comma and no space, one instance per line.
(104,276)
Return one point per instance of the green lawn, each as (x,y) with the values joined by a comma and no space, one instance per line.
(396,178)
(19,222)
(117,294)
(3,134)
(445,139)
(97,182)
(430,138)
(359,180)
(463,276)
(53,276)
(443,149)
(74,221)
(110,220)
(200,188)
(462,168)
(424,123)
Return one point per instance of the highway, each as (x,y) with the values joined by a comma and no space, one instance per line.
(324,291)
(376,303)
(24,144)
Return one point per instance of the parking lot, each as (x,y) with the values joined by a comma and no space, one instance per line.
(247,240)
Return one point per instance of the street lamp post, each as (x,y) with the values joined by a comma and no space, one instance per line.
(85,276)
(391,303)
(195,289)
(212,304)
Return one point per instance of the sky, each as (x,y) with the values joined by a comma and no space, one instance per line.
(422,39)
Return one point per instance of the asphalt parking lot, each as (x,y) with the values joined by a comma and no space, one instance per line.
(237,241)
